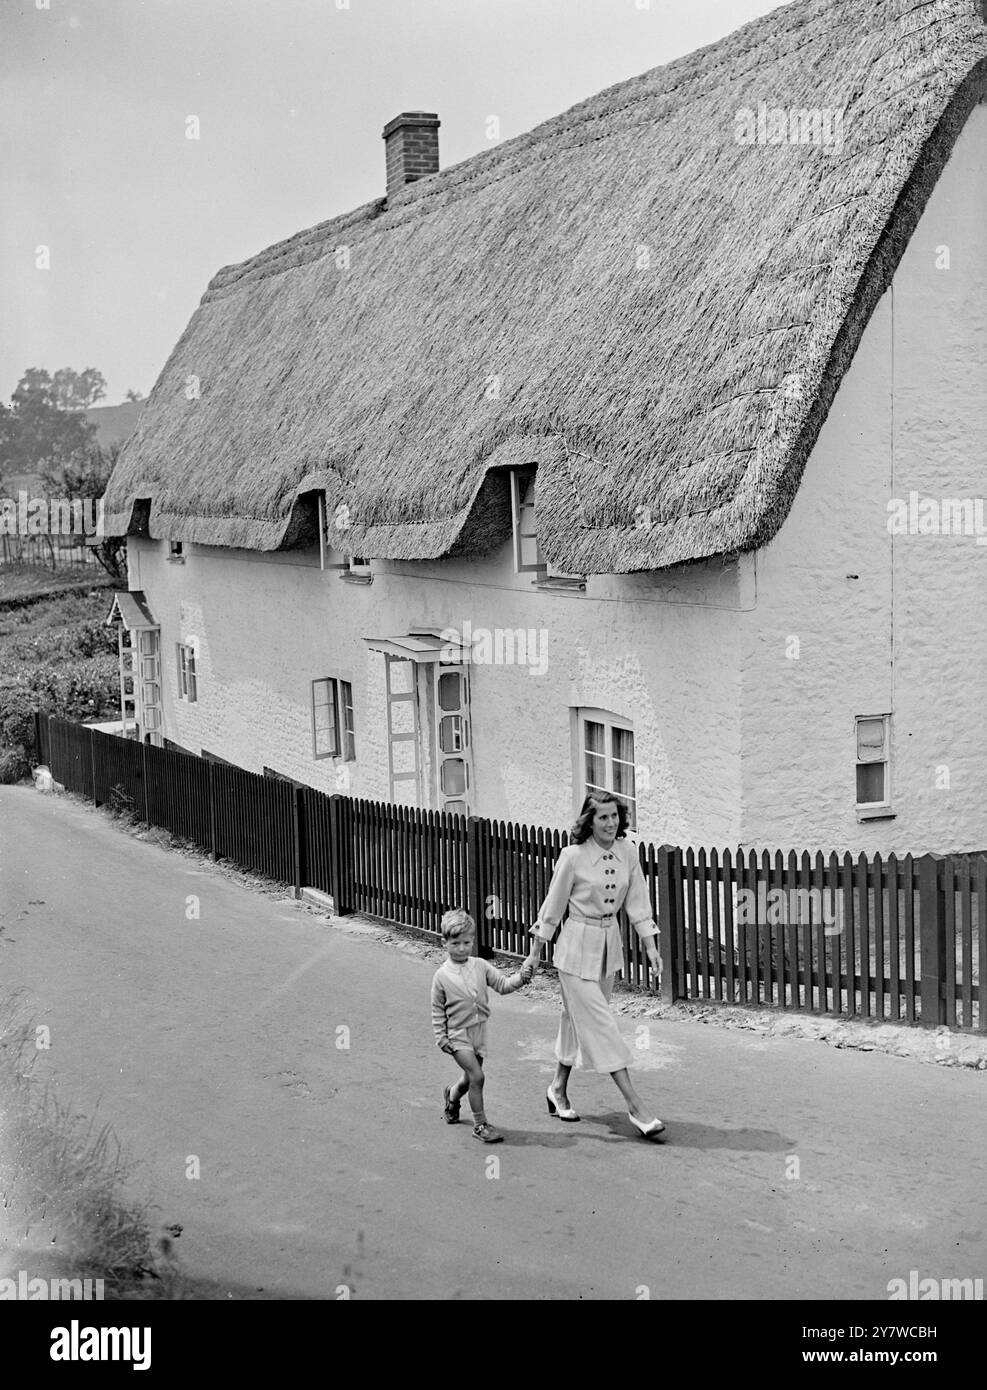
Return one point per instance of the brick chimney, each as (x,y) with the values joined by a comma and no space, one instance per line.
(411,145)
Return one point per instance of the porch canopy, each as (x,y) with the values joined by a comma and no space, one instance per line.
(139,653)
(130,608)
(428,645)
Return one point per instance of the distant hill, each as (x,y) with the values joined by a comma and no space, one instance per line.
(114,423)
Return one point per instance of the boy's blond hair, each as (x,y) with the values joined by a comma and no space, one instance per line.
(456,921)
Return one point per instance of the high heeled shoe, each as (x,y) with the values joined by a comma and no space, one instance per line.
(554,1108)
(651,1130)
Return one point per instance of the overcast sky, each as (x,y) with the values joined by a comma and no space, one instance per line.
(291,97)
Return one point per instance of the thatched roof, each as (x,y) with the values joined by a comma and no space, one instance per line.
(668,313)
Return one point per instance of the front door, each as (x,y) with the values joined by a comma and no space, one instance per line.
(147,682)
(453,758)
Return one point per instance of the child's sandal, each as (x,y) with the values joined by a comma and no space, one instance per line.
(451,1107)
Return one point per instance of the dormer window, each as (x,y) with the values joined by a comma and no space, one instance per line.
(528,558)
(358,570)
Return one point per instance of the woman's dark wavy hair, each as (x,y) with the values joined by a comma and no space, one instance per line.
(582,827)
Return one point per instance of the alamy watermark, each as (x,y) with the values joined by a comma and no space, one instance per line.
(932,516)
(499,646)
(26,1289)
(821,126)
(945,1290)
(51,516)
(786,907)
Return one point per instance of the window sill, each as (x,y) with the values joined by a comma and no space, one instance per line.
(560,586)
(875,813)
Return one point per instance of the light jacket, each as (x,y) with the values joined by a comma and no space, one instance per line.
(459,997)
(593,882)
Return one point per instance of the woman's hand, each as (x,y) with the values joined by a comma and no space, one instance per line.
(654,960)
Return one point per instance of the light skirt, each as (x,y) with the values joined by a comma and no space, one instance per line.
(588,1033)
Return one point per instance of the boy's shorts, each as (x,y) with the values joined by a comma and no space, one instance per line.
(474,1036)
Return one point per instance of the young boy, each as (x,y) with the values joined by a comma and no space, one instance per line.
(460,1011)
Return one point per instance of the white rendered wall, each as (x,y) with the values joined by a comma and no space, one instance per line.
(908,635)
(661,651)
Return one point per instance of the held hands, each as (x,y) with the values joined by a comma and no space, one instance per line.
(530,964)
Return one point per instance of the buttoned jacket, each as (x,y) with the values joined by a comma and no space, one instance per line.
(591,883)
(459,996)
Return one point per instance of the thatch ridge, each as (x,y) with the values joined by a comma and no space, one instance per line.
(690,392)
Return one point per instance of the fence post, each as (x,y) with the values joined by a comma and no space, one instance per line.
(474,888)
(668,898)
(932,929)
(92,763)
(296,830)
(337,829)
(37,737)
(212,812)
(147,799)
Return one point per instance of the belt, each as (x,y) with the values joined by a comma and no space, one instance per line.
(605,922)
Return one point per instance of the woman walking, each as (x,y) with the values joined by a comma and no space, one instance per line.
(596,875)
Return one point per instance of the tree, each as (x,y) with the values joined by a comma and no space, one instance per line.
(133,395)
(36,434)
(83,474)
(112,555)
(77,390)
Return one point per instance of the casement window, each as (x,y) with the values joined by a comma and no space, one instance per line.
(187,683)
(873,735)
(176,550)
(356,570)
(332,719)
(528,558)
(605,758)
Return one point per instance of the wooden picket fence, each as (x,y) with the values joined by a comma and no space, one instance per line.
(901,938)
(51,552)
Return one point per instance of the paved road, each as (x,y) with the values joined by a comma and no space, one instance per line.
(323,1166)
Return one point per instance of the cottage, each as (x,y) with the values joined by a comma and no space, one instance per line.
(639,392)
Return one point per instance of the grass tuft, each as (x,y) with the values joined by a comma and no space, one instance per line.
(63,1212)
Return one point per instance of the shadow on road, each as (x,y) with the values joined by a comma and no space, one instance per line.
(679,1134)
(220,1291)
